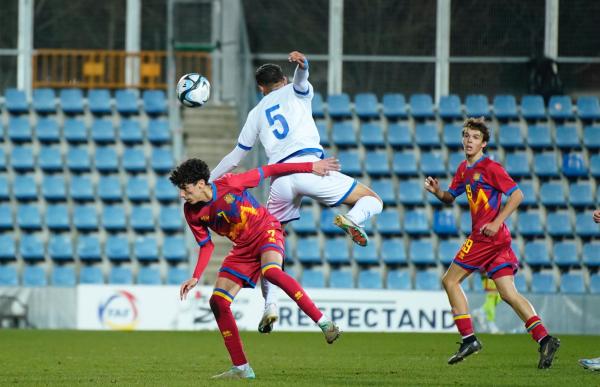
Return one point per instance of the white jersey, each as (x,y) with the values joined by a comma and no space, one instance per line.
(283,121)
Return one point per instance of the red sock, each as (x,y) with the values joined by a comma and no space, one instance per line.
(464,324)
(273,273)
(220,303)
(536,329)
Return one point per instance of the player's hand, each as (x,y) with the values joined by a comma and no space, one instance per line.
(186,287)
(489,229)
(432,185)
(323,167)
(299,58)
(596,216)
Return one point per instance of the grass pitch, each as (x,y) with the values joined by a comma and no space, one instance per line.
(32,357)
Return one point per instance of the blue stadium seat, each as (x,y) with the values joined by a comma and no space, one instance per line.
(71,101)
(421,252)
(306,223)
(164,191)
(78,159)
(447,250)
(365,105)
(590,254)
(103,131)
(145,248)
(2,159)
(130,132)
(75,131)
(5,189)
(399,280)
(341,279)
(410,192)
(532,107)
(565,253)
(308,250)
(453,135)
(323,133)
(24,188)
(57,217)
(465,222)
(44,101)
(8,251)
(343,134)
(510,136)
(326,222)
(29,217)
(16,101)
(148,275)
(8,275)
(505,107)
(88,248)
(338,106)
(585,226)
(539,137)
(377,163)
(350,162)
(405,164)
(85,217)
(91,275)
(536,253)
(529,194)
(138,189)
(370,279)
(580,194)
(117,248)
(567,137)
(385,190)
(421,106)
(142,219)
(477,106)
(416,223)
(444,222)
(560,107)
(572,283)
(543,283)
(34,276)
(365,255)
(432,164)
(393,251)
(174,249)
(54,188)
(427,280)
(106,159)
(394,106)
(559,224)
(449,107)
(594,165)
(521,283)
(595,283)
(81,188)
(6,217)
(517,164)
(60,247)
(126,102)
(426,135)
(109,189)
(318,110)
(545,164)
(21,158)
(399,135)
(530,224)
(177,275)
(454,160)
(154,102)
(120,275)
(19,129)
(31,248)
(313,278)
(50,159)
(99,101)
(552,193)
(371,135)
(335,251)
(591,137)
(162,160)
(588,108)
(388,222)
(134,160)
(113,218)
(170,219)
(159,132)
(574,165)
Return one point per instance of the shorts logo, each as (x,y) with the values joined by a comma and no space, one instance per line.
(204,218)
(271,236)
(298,295)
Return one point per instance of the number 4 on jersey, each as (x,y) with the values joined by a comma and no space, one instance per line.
(280,118)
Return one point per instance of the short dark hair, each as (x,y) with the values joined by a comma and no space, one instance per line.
(477,124)
(190,171)
(268,74)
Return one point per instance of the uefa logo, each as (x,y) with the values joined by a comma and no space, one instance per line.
(119,312)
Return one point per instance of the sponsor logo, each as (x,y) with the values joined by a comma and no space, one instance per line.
(119,312)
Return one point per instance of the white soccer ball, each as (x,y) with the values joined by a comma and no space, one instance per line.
(193,90)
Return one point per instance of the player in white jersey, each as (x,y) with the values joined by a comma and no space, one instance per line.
(283,122)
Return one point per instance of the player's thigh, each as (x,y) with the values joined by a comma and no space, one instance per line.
(506,287)
(329,190)
(228,285)
(271,256)
(283,203)
(455,274)
(360,191)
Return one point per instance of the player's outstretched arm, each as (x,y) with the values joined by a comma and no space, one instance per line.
(203,258)
(433,185)
(301,85)
(228,163)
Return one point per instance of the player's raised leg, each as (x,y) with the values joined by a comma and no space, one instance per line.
(365,204)
(451,281)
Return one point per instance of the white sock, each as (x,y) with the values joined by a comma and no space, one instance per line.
(363,209)
(243,367)
(269,291)
(322,320)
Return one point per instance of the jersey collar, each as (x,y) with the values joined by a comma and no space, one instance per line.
(484,156)
(214,192)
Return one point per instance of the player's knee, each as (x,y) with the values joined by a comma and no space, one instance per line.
(217,305)
(271,272)
(448,282)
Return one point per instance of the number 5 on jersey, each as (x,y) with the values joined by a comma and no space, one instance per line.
(277,117)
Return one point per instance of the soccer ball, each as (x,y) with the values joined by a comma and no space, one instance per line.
(193,90)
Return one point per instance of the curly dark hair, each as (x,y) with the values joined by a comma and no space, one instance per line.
(478,124)
(190,171)
(268,74)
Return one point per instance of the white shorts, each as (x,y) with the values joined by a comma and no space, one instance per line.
(287,191)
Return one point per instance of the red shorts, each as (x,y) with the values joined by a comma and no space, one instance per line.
(497,260)
(242,264)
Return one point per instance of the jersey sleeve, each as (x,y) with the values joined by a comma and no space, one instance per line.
(200,232)
(301,85)
(457,186)
(249,133)
(254,177)
(501,180)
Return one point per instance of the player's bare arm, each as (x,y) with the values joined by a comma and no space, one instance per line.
(298,58)
(323,167)
(433,185)
(514,200)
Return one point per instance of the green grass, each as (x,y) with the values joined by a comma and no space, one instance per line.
(30,357)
